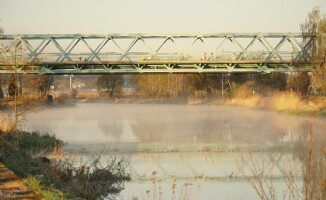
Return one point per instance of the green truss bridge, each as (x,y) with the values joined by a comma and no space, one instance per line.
(155,53)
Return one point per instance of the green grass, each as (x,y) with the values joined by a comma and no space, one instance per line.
(35,140)
(34,184)
(18,152)
(303,112)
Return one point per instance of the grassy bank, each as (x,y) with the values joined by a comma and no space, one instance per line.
(25,154)
(287,102)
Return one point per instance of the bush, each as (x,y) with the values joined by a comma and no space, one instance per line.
(243,92)
(18,150)
(74,92)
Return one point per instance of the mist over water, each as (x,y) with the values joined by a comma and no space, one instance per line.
(100,122)
(200,145)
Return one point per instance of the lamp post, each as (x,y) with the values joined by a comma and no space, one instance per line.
(70,77)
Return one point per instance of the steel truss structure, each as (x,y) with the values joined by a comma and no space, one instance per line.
(62,54)
(219,167)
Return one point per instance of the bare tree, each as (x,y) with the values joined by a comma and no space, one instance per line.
(314,36)
(1,92)
(309,33)
(109,83)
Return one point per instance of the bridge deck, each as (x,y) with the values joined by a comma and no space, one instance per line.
(155,66)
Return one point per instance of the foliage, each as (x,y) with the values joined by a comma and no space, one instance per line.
(34,140)
(109,83)
(315,27)
(12,85)
(1,92)
(321,39)
(34,184)
(74,92)
(299,82)
(200,81)
(309,32)
(88,181)
(38,83)
(238,78)
(151,84)
(274,81)
(43,83)
(159,85)
(176,85)
(1,29)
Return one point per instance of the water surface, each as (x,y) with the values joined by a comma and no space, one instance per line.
(197,148)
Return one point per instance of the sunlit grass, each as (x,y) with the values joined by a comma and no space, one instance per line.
(286,101)
(5,122)
(34,184)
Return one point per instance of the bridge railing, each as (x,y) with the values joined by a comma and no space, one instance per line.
(109,53)
(119,47)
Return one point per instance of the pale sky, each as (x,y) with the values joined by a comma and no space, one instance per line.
(154,16)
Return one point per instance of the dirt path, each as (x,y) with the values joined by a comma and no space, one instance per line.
(11,187)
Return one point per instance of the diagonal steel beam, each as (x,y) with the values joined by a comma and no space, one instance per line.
(7,56)
(99,47)
(63,52)
(162,44)
(178,46)
(32,51)
(242,54)
(93,53)
(125,53)
(66,50)
(42,49)
(275,50)
(154,53)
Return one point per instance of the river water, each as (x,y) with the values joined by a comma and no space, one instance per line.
(182,151)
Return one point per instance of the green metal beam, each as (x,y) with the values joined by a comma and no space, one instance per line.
(124,67)
(44,59)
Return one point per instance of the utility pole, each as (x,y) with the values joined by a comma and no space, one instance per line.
(223,85)
(70,82)
(70,77)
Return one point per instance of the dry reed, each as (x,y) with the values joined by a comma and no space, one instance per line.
(313,170)
(6,122)
(245,97)
(286,101)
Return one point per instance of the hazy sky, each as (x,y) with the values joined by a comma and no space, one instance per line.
(154,16)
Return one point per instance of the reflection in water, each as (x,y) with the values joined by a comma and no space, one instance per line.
(195,144)
(110,128)
(98,123)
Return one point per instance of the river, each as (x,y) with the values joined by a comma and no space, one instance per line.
(182,151)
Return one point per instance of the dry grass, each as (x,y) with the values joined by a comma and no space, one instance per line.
(313,171)
(245,97)
(286,101)
(280,101)
(6,122)
(193,101)
(250,102)
(290,100)
(88,95)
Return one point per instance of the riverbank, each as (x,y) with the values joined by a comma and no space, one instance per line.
(18,151)
(284,102)
(11,187)
(39,161)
